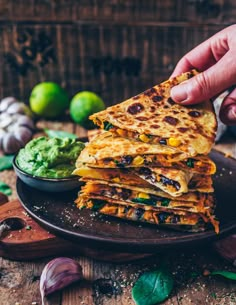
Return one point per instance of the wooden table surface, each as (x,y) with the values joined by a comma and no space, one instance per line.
(111,283)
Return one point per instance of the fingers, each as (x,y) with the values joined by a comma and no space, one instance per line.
(228,109)
(204,55)
(208,83)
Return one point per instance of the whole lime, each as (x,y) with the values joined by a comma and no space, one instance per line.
(48,100)
(84,104)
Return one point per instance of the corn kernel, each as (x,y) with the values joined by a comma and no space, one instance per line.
(144,138)
(143,195)
(138,160)
(116,179)
(89,205)
(174,142)
(120,132)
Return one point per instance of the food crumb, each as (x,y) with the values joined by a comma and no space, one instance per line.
(206,272)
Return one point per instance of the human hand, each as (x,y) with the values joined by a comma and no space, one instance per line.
(216,59)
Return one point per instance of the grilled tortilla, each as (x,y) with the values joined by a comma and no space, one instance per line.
(175,182)
(109,151)
(190,196)
(139,196)
(137,213)
(172,181)
(198,183)
(152,117)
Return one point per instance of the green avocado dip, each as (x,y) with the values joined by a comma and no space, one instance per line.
(49,157)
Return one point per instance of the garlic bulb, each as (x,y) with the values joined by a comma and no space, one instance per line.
(16,125)
(59,273)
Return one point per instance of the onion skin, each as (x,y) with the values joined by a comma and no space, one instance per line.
(226,247)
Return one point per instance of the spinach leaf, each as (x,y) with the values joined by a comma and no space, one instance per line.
(59,134)
(6,162)
(152,287)
(226,274)
(107,126)
(190,162)
(165,202)
(144,201)
(5,189)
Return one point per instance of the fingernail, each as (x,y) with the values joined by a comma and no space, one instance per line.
(179,93)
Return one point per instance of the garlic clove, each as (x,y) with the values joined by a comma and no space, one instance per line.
(16,108)
(5,120)
(24,120)
(23,135)
(59,273)
(9,144)
(6,102)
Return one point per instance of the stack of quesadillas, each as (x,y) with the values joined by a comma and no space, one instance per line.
(151,164)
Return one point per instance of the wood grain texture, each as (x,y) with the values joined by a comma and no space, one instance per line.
(114,48)
(112,283)
(115,61)
(215,11)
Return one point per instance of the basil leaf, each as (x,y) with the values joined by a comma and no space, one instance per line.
(6,162)
(152,287)
(226,274)
(59,134)
(5,188)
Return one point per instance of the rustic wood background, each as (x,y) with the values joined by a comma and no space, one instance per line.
(115,48)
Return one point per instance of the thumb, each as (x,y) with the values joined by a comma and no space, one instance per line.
(228,109)
(207,84)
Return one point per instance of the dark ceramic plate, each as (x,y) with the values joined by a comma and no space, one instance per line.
(57,213)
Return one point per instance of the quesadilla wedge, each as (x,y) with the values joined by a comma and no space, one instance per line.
(138,196)
(137,213)
(195,197)
(170,180)
(198,183)
(153,117)
(173,181)
(110,151)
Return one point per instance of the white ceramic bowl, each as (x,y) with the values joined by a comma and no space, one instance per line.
(47,184)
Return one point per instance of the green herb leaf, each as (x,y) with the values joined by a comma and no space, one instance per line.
(152,287)
(59,134)
(165,202)
(226,274)
(97,205)
(190,162)
(5,189)
(148,201)
(107,126)
(6,162)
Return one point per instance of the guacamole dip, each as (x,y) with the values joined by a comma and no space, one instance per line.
(49,157)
